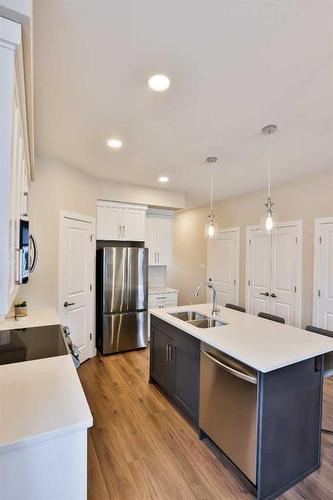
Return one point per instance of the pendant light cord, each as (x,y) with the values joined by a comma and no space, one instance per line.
(269,166)
(211,192)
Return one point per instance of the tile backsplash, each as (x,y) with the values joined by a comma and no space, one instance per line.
(157,276)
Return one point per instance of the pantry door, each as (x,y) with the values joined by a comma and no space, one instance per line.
(258,265)
(76,280)
(323,274)
(274,271)
(223,266)
(286,272)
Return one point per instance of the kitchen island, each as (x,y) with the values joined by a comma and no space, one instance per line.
(251,385)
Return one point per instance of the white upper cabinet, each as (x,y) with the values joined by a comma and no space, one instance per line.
(14,159)
(117,221)
(159,238)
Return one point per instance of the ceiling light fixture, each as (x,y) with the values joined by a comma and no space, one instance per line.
(114,143)
(211,224)
(269,222)
(159,83)
(163,178)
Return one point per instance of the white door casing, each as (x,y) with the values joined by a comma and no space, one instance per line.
(223,265)
(323,274)
(77,280)
(274,271)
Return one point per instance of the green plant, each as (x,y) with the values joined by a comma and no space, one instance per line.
(23,304)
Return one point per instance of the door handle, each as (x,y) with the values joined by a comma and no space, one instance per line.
(264,293)
(273,295)
(67,304)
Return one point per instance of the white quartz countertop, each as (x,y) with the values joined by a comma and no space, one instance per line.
(41,317)
(161,290)
(40,399)
(257,342)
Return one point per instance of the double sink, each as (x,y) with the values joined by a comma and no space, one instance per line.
(197,319)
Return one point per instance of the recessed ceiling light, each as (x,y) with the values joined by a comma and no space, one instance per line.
(115,143)
(159,83)
(163,178)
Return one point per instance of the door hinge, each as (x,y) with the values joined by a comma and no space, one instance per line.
(295,289)
(320,240)
(90,287)
(235,282)
(91,237)
(249,243)
(248,283)
(90,336)
(296,240)
(318,293)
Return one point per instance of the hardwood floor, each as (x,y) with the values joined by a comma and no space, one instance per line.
(141,446)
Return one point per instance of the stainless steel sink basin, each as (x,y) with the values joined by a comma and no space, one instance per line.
(206,323)
(188,315)
(197,319)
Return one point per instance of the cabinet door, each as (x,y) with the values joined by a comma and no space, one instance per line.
(133,224)
(160,365)
(150,240)
(109,223)
(164,241)
(185,373)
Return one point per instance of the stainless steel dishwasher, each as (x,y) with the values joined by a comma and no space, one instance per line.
(228,407)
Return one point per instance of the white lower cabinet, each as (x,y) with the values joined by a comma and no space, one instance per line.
(161,301)
(120,222)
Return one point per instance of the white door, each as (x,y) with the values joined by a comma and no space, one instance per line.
(109,223)
(284,273)
(133,224)
(274,271)
(323,282)
(164,240)
(76,275)
(223,266)
(258,263)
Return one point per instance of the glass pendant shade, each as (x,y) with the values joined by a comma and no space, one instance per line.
(211,226)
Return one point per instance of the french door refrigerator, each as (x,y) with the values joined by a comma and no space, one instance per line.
(122,298)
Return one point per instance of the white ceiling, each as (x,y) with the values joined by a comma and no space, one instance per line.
(234,65)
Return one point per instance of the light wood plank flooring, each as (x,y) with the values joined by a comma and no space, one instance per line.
(141,447)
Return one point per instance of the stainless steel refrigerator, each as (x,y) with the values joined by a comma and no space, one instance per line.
(122,298)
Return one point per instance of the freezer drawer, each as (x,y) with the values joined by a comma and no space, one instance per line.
(123,332)
(228,407)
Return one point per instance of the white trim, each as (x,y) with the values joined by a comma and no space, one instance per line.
(298,303)
(119,204)
(10,32)
(316,264)
(64,214)
(237,231)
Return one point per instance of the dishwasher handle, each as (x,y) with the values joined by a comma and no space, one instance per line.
(229,369)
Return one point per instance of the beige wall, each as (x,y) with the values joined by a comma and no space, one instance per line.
(60,187)
(307,199)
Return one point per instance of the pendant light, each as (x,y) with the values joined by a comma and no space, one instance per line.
(211,225)
(269,223)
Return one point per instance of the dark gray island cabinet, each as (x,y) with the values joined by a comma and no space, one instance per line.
(273,439)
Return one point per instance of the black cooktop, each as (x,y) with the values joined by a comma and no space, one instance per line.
(26,344)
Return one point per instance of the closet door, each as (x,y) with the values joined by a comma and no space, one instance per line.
(258,271)
(223,266)
(323,281)
(284,273)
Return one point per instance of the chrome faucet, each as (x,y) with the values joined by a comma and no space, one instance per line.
(209,284)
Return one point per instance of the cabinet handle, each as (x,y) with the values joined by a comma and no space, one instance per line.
(119,232)
(155,257)
(167,353)
(158,254)
(123,231)
(18,266)
(171,353)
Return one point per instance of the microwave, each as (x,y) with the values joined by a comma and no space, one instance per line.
(24,263)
